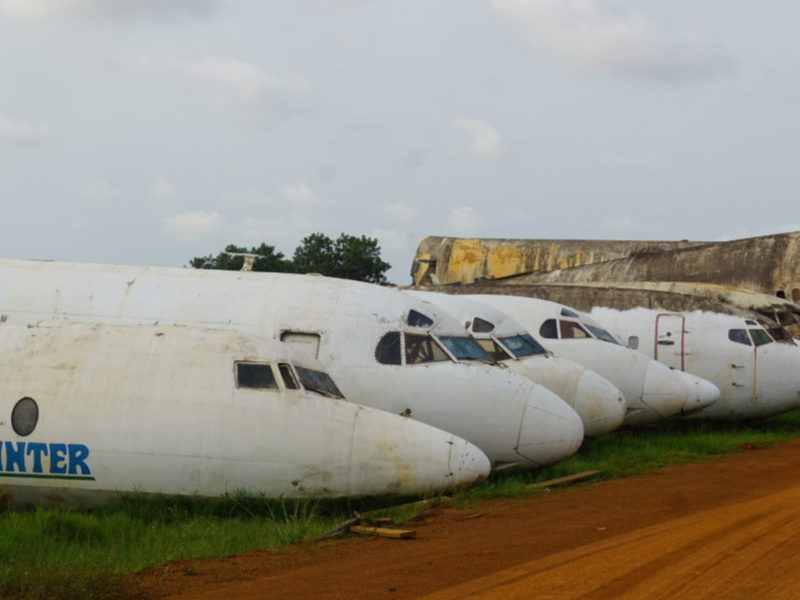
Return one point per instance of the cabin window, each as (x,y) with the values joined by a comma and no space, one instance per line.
(601,334)
(25,416)
(549,329)
(760,337)
(388,350)
(493,350)
(572,330)
(565,312)
(633,342)
(781,294)
(288,377)
(318,381)
(739,336)
(482,326)
(796,295)
(422,349)
(417,319)
(522,345)
(255,376)
(464,348)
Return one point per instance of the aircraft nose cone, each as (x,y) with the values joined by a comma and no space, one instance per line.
(701,393)
(662,391)
(551,430)
(468,464)
(599,403)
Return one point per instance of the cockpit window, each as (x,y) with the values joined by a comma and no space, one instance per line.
(760,337)
(739,336)
(601,334)
(464,348)
(288,377)
(388,350)
(522,345)
(255,376)
(318,381)
(494,350)
(570,330)
(423,349)
(565,312)
(481,325)
(779,334)
(417,319)
(549,329)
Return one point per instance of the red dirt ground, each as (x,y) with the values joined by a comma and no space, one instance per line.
(728,528)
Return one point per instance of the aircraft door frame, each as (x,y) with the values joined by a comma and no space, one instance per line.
(669,343)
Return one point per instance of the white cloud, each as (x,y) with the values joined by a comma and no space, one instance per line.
(17,132)
(618,224)
(240,84)
(486,142)
(299,196)
(580,34)
(401,213)
(193,225)
(464,221)
(163,190)
(95,188)
(45,9)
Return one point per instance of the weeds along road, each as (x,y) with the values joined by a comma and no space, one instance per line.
(728,528)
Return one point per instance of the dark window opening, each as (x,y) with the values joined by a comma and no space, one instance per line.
(464,348)
(760,337)
(522,345)
(388,350)
(739,336)
(493,350)
(255,376)
(25,416)
(482,326)
(572,330)
(288,377)
(417,319)
(601,334)
(781,294)
(318,381)
(549,329)
(422,349)
(565,312)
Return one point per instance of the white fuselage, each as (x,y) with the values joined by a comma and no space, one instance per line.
(597,401)
(653,392)
(383,348)
(92,410)
(757,376)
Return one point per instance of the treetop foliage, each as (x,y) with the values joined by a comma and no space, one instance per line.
(347,257)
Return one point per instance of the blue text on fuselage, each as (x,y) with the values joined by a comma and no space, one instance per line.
(38,458)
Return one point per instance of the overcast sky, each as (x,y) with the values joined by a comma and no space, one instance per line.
(152,131)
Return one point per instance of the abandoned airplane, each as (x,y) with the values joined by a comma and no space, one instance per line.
(93,410)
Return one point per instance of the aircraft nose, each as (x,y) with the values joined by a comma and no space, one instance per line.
(551,430)
(701,392)
(599,403)
(468,464)
(662,391)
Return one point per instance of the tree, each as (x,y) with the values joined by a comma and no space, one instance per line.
(349,257)
(267,260)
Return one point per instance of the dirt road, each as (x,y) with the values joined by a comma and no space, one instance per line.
(728,528)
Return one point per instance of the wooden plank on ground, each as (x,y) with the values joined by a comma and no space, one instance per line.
(383,531)
(561,480)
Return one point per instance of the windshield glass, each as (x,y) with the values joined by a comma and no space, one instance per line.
(494,350)
(464,348)
(317,381)
(522,345)
(760,337)
(601,334)
(423,349)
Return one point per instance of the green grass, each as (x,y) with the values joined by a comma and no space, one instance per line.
(56,554)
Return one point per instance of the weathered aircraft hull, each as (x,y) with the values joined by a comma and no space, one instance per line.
(90,411)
